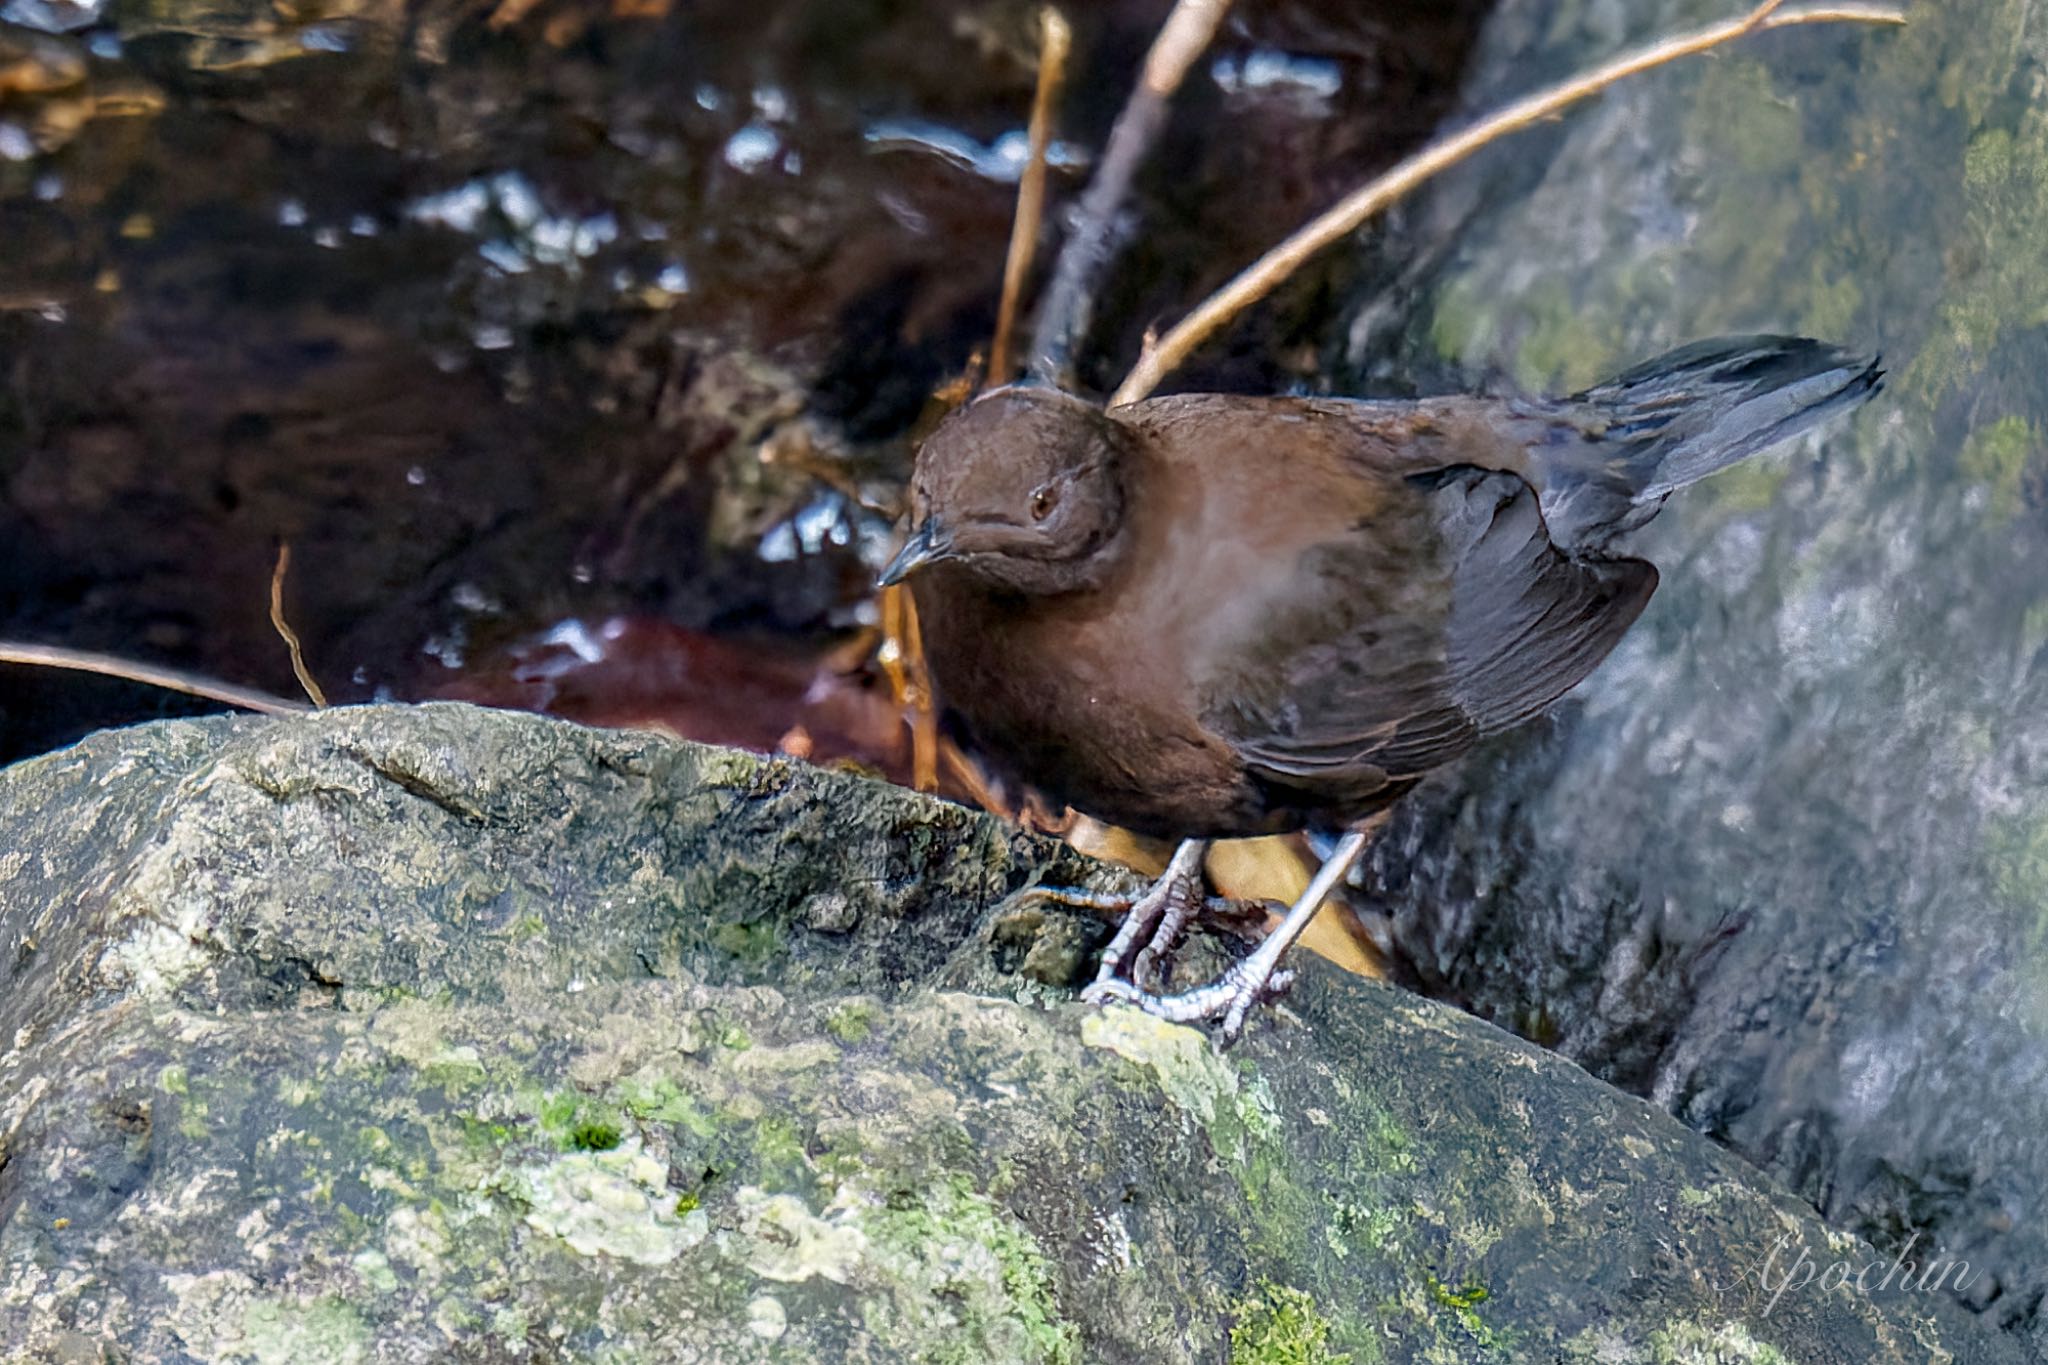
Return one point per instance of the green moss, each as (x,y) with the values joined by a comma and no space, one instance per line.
(1461,324)
(1732,1343)
(969,1282)
(779,1153)
(526,928)
(1747,487)
(1279,1325)
(1234,1107)
(572,1122)
(663,1101)
(1994,285)
(1562,351)
(754,943)
(1833,303)
(852,1022)
(1997,456)
(324,1332)
(594,1135)
(1358,1226)
(1463,1302)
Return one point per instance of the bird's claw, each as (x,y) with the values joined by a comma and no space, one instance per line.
(1230,997)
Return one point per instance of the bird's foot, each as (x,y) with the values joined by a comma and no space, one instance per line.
(1156,920)
(1257,978)
(1231,997)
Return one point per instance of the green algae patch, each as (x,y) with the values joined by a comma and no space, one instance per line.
(1462,1303)
(853,1021)
(1997,456)
(969,1275)
(320,1333)
(224,1316)
(1278,1324)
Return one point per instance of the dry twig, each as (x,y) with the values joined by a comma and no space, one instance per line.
(1091,241)
(284,630)
(170,679)
(902,658)
(1265,274)
(1054,38)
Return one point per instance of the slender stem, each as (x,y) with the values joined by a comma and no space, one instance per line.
(170,679)
(1092,240)
(1054,38)
(924,710)
(283,627)
(1265,274)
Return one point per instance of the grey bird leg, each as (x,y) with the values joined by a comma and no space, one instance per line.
(1161,913)
(1256,978)
(1158,916)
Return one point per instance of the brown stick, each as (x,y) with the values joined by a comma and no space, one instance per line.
(1265,274)
(170,679)
(1054,38)
(284,630)
(924,709)
(1064,316)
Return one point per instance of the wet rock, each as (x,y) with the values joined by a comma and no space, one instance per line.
(1779,864)
(445,1033)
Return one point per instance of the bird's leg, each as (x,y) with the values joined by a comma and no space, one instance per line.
(1258,977)
(1159,915)
(1148,969)
(1156,917)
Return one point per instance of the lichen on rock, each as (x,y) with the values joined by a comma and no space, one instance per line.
(503,1087)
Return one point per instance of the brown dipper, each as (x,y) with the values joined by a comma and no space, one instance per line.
(1206,615)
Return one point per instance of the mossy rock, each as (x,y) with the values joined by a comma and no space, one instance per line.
(445,1034)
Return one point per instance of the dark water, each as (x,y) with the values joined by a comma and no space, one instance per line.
(494,312)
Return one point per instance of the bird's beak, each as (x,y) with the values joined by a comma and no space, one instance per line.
(928,543)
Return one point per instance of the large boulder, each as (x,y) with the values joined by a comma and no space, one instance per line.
(436,1033)
(1781,864)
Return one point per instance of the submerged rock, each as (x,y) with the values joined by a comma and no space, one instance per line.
(446,1034)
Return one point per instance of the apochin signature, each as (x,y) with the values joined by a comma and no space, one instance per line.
(1781,1273)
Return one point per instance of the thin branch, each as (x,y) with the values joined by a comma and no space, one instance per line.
(170,679)
(1264,275)
(924,710)
(1054,39)
(902,658)
(284,630)
(1063,319)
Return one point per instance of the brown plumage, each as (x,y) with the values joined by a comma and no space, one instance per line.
(1206,615)
(1231,615)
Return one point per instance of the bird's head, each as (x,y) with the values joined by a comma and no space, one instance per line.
(1023,489)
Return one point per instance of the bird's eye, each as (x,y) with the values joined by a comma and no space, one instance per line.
(1043,501)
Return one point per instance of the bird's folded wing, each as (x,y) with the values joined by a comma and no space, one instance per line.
(1419,634)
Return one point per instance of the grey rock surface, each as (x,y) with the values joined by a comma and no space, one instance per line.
(443,1034)
(1781,865)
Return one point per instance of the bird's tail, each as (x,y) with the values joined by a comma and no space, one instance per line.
(1656,428)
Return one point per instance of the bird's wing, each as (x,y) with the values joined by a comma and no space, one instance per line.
(1449,615)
